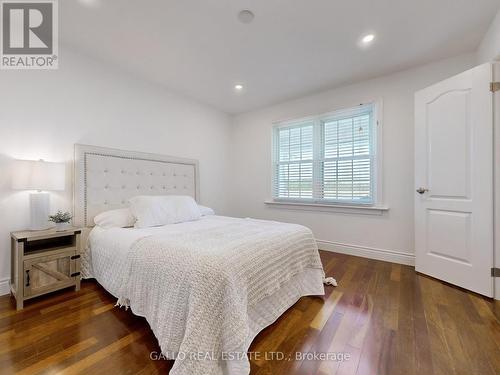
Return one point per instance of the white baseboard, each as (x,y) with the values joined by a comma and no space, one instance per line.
(4,286)
(368,252)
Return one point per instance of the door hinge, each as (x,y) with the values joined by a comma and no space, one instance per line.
(494,86)
(495,272)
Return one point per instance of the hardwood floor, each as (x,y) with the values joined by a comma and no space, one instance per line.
(387,318)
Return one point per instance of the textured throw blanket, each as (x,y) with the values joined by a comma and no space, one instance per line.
(195,288)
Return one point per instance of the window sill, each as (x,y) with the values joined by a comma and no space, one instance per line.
(339,208)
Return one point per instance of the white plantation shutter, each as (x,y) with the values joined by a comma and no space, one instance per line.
(326,159)
(294,177)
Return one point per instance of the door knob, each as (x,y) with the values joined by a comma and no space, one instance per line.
(422,190)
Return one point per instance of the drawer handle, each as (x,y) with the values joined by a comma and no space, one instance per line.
(75,257)
(75,274)
(27,277)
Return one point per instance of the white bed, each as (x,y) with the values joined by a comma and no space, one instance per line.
(206,287)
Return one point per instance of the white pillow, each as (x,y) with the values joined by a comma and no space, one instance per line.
(156,210)
(206,211)
(120,218)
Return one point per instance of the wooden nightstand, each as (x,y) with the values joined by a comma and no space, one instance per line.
(44,261)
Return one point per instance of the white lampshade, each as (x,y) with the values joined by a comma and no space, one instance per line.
(38,175)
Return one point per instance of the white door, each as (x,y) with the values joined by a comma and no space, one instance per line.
(454,180)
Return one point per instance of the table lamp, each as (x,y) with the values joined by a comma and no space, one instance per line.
(41,176)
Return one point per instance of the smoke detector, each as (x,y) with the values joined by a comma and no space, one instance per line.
(246,16)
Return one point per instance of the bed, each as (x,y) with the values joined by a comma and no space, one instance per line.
(206,287)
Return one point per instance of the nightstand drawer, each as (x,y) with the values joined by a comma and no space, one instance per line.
(48,273)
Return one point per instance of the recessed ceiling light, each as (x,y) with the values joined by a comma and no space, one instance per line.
(238,87)
(368,38)
(246,16)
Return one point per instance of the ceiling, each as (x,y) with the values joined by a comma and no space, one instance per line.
(199,47)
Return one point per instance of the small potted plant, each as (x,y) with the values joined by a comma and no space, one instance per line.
(61,219)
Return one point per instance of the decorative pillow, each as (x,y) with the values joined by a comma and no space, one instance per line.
(156,210)
(206,211)
(121,218)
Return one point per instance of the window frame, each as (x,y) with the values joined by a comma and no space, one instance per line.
(317,120)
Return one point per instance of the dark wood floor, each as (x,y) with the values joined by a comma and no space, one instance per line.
(389,319)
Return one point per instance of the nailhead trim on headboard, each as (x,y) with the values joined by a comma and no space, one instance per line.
(177,182)
(119,157)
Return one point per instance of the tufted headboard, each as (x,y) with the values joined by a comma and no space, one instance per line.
(105,178)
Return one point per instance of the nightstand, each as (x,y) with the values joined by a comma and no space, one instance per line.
(44,261)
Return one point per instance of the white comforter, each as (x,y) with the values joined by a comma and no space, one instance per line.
(196,283)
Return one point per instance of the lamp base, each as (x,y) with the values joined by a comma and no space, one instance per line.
(40,206)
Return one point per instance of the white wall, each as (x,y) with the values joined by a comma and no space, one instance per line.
(489,49)
(389,236)
(43,113)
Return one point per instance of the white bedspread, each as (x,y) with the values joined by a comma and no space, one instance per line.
(196,283)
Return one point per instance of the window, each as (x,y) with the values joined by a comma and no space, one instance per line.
(327,159)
